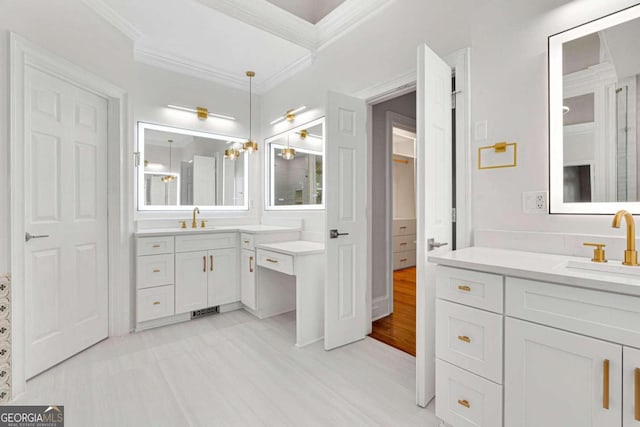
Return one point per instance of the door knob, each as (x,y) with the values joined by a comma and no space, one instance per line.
(334,234)
(28,236)
(432,244)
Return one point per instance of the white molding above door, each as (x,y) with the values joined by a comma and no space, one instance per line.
(120,224)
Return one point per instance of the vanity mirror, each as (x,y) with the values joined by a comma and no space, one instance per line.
(594,108)
(180,169)
(294,168)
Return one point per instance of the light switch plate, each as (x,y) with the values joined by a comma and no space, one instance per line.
(534,202)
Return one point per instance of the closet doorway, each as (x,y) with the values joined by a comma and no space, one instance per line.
(394,222)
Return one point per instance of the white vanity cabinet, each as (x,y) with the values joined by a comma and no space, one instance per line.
(521,341)
(555,378)
(154,278)
(206,271)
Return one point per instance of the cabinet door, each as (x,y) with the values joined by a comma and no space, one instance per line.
(559,379)
(631,387)
(248,279)
(191,281)
(224,287)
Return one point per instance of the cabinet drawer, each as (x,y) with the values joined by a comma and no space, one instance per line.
(154,270)
(465,399)
(604,315)
(275,261)
(481,290)
(404,259)
(153,303)
(205,242)
(404,243)
(470,338)
(403,227)
(247,241)
(154,245)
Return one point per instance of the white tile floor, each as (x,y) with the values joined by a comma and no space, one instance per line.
(232,370)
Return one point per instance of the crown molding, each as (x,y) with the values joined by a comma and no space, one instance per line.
(205,72)
(286,73)
(113,18)
(191,68)
(270,18)
(344,18)
(405,82)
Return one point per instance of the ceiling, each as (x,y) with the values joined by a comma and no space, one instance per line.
(219,40)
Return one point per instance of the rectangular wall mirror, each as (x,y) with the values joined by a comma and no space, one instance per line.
(180,169)
(594,112)
(294,168)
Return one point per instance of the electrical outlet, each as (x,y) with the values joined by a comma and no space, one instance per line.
(534,202)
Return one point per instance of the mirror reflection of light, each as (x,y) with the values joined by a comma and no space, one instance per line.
(154,166)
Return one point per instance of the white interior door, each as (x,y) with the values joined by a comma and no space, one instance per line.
(204,180)
(434,184)
(65,196)
(345,277)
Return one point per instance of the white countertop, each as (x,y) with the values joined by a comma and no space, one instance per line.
(294,247)
(537,266)
(251,229)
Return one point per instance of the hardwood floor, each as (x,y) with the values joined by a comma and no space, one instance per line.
(399,329)
(232,369)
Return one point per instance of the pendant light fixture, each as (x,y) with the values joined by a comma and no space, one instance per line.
(288,153)
(168,178)
(250,146)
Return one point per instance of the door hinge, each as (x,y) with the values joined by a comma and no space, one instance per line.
(454,215)
(453,98)
(136,159)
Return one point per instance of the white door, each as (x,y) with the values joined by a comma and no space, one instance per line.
(65,196)
(555,378)
(191,281)
(204,180)
(223,284)
(631,387)
(433,188)
(345,276)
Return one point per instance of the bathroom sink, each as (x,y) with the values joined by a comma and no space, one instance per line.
(614,267)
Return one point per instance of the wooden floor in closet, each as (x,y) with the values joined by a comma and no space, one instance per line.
(399,328)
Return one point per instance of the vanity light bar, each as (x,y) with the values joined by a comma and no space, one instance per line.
(289,115)
(201,112)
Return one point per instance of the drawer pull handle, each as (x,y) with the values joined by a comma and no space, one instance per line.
(156,246)
(250,264)
(636,375)
(156,303)
(404,227)
(464,338)
(464,403)
(210,262)
(246,241)
(275,261)
(403,244)
(204,264)
(605,384)
(464,288)
(403,260)
(156,270)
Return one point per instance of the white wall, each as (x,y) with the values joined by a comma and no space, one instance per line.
(509,91)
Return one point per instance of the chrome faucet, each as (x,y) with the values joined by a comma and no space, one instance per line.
(630,254)
(194,223)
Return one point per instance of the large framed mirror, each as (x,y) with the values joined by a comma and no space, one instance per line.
(181,168)
(594,113)
(295,168)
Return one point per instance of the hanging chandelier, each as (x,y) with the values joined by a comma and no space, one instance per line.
(250,146)
(168,178)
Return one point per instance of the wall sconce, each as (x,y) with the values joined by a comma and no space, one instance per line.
(289,116)
(201,112)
